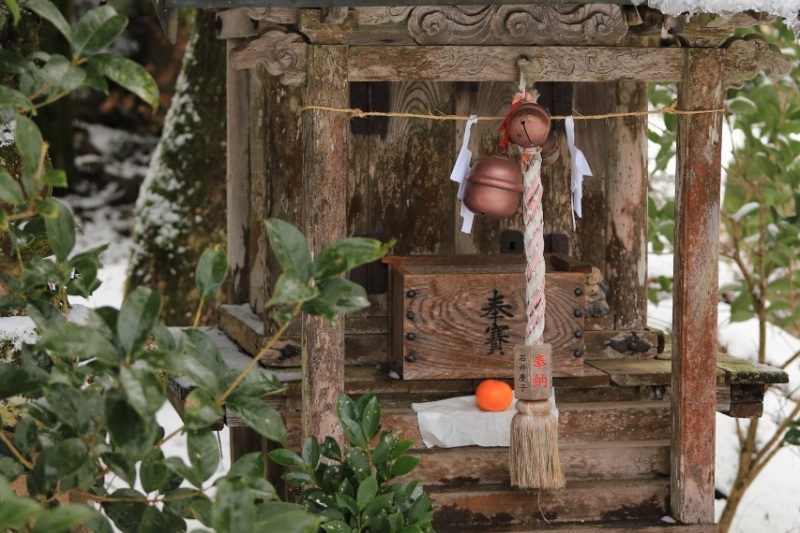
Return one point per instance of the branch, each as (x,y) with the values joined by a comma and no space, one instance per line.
(778,434)
(21,458)
(789,361)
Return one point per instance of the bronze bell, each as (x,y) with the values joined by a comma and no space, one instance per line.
(551,149)
(494,185)
(529,125)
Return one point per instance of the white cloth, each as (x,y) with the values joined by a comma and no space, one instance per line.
(459,422)
(459,174)
(580,168)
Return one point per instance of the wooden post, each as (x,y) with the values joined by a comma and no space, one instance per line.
(325,221)
(626,197)
(238,180)
(694,347)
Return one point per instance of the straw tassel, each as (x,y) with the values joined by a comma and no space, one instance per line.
(534,461)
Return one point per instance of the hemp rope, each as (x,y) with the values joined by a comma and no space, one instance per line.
(532,215)
(358,113)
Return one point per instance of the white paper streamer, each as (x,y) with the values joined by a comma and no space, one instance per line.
(580,168)
(459,174)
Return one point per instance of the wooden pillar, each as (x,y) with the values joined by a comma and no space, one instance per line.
(694,348)
(325,221)
(238,180)
(626,200)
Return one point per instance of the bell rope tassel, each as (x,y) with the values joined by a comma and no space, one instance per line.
(534,461)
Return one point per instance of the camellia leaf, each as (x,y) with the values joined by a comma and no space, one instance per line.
(29,143)
(300,521)
(330,449)
(13,7)
(366,491)
(310,452)
(10,191)
(62,518)
(290,248)
(201,410)
(346,254)
(15,99)
(286,457)
(203,452)
(47,208)
(75,342)
(61,76)
(153,471)
(137,318)
(130,433)
(290,290)
(97,29)
(210,271)
(358,462)
(251,465)
(70,406)
(126,514)
(55,178)
(48,11)
(371,418)
(337,297)
(143,388)
(354,433)
(16,380)
(15,512)
(129,75)
(234,508)
(404,464)
(60,231)
(263,418)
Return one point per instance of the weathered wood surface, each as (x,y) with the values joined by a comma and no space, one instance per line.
(694,370)
(238,182)
(628,526)
(626,192)
(581,500)
(500,63)
(746,57)
(441,332)
(282,52)
(741,371)
(577,422)
(324,221)
(259,103)
(457,467)
(613,344)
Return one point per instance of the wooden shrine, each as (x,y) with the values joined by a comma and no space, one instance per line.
(637,413)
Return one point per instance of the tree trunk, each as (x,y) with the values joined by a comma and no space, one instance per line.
(181,206)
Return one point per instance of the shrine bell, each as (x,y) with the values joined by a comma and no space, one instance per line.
(494,186)
(529,125)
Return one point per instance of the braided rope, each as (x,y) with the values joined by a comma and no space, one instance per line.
(534,246)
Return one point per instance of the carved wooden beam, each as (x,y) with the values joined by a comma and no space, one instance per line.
(283,54)
(746,57)
(518,24)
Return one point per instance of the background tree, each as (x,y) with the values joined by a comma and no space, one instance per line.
(181,205)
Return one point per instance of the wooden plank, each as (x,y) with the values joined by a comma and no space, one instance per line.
(610,500)
(459,467)
(741,371)
(499,63)
(325,221)
(632,372)
(238,178)
(626,219)
(235,24)
(444,327)
(259,183)
(627,526)
(577,422)
(626,344)
(694,370)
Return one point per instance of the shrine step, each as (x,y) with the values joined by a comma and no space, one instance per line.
(581,461)
(624,526)
(484,506)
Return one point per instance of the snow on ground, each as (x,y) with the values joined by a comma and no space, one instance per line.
(772,503)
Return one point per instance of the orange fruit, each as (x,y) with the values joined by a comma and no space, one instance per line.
(494,395)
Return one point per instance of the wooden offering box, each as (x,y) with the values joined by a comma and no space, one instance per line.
(459,317)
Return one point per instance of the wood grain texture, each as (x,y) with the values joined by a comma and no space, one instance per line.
(459,467)
(581,500)
(283,53)
(499,63)
(694,348)
(258,191)
(628,526)
(625,344)
(238,182)
(446,336)
(325,221)
(625,267)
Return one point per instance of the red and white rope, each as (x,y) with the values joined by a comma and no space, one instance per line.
(534,245)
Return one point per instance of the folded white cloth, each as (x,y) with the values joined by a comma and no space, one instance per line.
(459,422)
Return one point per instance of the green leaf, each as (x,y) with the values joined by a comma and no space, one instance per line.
(345,407)
(234,509)
(70,407)
(3,223)
(95,78)
(403,465)
(15,512)
(16,380)
(62,519)
(291,522)
(143,388)
(46,207)
(13,7)
(347,502)
(310,452)
(163,337)
(10,191)
(77,343)
(130,433)
(127,515)
(29,143)
(198,344)
(383,450)
(154,520)
(337,297)
(137,318)
(741,105)
(290,248)
(286,457)
(204,452)
(358,462)
(366,491)
(290,289)
(371,418)
(122,466)
(129,75)
(60,231)
(154,473)
(10,468)
(377,510)
(330,449)
(336,526)
(201,410)
(61,76)
(263,418)
(354,433)
(346,254)
(296,477)
(17,100)
(49,12)
(250,465)
(188,365)
(183,471)
(56,465)
(210,272)
(400,448)
(96,30)
(55,178)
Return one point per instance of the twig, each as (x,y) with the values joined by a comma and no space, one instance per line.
(15,452)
